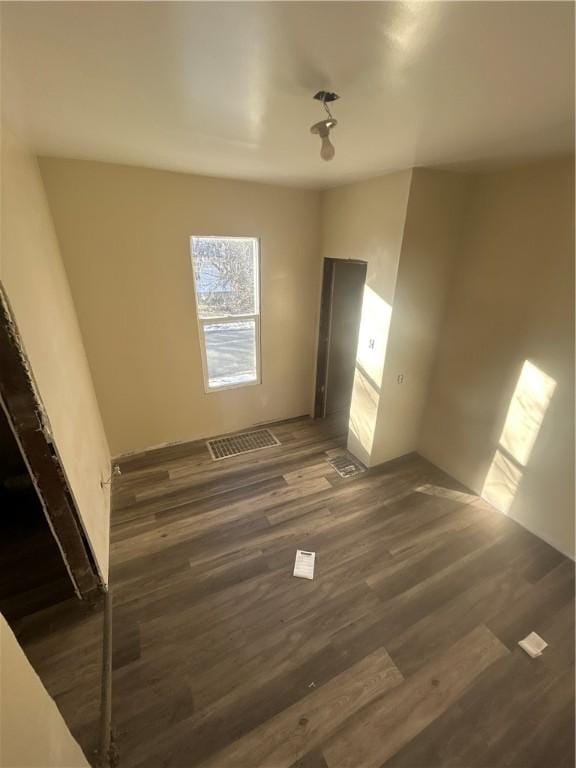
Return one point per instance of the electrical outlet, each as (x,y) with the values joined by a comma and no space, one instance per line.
(115,472)
(400,378)
(371,343)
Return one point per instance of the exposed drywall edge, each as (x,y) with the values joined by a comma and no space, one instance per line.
(50,437)
(31,268)
(106,489)
(42,503)
(19,343)
(76,547)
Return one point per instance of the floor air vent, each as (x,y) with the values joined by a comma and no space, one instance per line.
(245,442)
(347,466)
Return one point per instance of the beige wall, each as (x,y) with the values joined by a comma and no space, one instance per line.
(406,227)
(33,733)
(365,221)
(502,425)
(33,277)
(431,232)
(124,234)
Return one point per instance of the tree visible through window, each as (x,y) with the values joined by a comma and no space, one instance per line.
(226,280)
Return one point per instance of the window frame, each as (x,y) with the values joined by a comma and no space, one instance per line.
(230,319)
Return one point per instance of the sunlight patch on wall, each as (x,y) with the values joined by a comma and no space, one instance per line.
(526,412)
(501,482)
(363,413)
(528,406)
(372,342)
(373,335)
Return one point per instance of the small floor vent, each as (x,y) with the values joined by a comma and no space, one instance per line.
(245,442)
(347,466)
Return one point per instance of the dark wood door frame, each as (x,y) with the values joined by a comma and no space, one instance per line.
(328,273)
(26,416)
(323,338)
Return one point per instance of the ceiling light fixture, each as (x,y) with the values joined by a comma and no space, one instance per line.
(324,127)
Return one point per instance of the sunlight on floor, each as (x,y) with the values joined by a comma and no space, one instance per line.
(447,493)
(526,412)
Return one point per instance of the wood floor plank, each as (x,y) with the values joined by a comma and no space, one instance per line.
(536,607)
(195,524)
(305,725)
(502,706)
(383,728)
(417,645)
(314,759)
(236,660)
(219,652)
(409,562)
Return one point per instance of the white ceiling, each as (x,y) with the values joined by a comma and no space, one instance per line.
(226,88)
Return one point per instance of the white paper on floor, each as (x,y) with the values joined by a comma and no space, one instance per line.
(304,564)
(533,644)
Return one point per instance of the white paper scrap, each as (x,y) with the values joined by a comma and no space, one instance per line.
(304,564)
(533,645)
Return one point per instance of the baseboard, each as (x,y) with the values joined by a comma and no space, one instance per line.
(200,438)
(545,539)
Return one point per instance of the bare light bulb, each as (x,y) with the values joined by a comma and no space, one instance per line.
(327,150)
(323,129)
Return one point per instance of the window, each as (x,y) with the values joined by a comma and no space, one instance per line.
(226,281)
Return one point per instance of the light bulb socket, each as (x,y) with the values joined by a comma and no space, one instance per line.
(324,127)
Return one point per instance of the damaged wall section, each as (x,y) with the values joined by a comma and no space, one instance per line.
(34,281)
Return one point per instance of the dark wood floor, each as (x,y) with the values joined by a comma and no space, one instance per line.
(64,645)
(402,652)
(32,572)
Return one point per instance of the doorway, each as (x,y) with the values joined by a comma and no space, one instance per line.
(33,575)
(340,311)
(34,479)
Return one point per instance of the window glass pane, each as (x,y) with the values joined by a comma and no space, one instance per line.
(231,353)
(226,276)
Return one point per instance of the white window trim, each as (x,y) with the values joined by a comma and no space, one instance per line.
(229,319)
